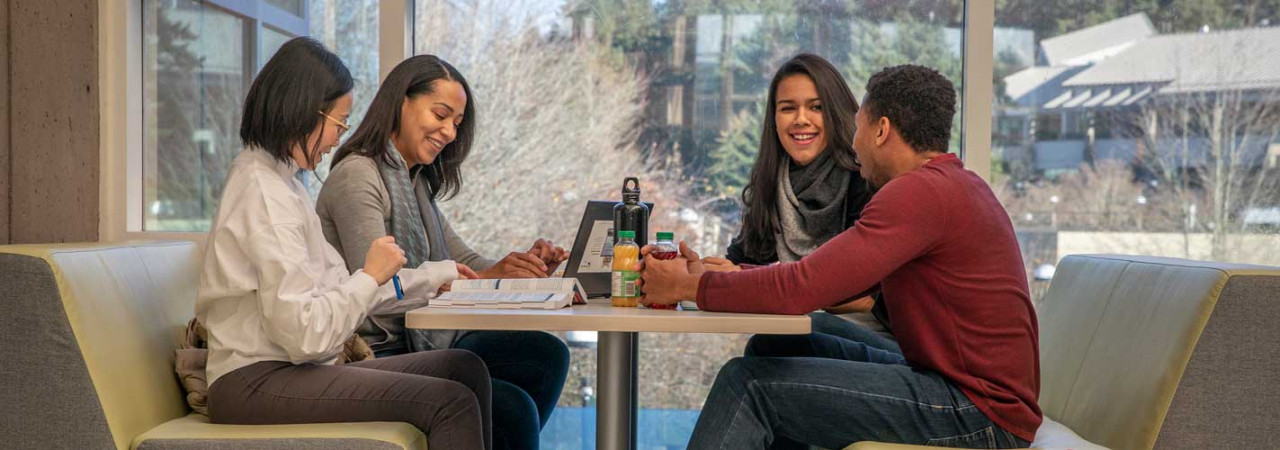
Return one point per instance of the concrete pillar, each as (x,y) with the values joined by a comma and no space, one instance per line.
(54,121)
(4,122)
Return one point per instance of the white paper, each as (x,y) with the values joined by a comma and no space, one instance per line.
(516,285)
(599,249)
(544,293)
(494,297)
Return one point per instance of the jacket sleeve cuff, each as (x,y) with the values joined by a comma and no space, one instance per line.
(437,273)
(366,288)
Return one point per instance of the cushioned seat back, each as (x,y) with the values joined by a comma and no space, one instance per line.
(123,307)
(1116,336)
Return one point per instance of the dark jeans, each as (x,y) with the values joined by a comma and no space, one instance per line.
(445,393)
(832,337)
(528,369)
(831,390)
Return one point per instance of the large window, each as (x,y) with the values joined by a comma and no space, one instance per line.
(1142,129)
(199,58)
(1119,126)
(574,96)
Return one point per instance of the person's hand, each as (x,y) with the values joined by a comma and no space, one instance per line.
(691,258)
(694,262)
(863,304)
(465,273)
(516,265)
(384,259)
(714,264)
(666,282)
(549,253)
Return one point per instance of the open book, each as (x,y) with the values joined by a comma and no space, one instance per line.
(531,293)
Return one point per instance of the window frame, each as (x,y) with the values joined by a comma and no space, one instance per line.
(120,41)
(121,121)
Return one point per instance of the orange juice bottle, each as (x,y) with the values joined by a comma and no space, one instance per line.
(626,254)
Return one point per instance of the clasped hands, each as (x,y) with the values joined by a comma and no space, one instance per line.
(667,282)
(672,281)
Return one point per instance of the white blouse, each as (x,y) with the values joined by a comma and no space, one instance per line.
(272,288)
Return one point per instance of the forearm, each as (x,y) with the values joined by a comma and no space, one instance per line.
(312,326)
(305,312)
(829,276)
(418,284)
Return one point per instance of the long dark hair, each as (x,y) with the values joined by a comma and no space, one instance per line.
(287,96)
(760,197)
(412,78)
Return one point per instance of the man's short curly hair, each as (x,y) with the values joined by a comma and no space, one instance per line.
(918,101)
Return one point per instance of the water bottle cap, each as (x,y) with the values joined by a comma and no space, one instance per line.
(625,234)
(631,184)
(666,236)
(631,189)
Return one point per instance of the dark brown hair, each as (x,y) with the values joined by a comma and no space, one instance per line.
(410,79)
(760,197)
(284,103)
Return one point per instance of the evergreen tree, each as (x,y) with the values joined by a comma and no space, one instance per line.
(906,40)
(734,155)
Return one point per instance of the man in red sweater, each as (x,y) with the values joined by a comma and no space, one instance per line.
(936,240)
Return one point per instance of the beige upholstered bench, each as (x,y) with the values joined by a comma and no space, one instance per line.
(89,332)
(1141,352)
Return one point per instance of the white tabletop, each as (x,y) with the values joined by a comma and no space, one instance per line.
(598,315)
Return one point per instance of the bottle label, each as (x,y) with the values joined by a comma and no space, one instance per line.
(624,283)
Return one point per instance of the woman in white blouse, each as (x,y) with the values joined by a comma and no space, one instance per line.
(278,300)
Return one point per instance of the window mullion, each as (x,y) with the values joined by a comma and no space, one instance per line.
(979,49)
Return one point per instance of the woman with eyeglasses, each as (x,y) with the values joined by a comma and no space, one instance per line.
(406,155)
(279,302)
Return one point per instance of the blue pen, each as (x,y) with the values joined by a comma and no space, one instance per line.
(395,279)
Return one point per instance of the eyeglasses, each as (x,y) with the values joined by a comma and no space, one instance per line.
(339,123)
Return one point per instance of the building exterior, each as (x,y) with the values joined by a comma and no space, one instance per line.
(1121,91)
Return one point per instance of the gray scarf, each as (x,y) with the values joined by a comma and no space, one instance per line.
(419,231)
(811,206)
(415,221)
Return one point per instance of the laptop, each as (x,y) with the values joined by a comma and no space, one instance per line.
(591,259)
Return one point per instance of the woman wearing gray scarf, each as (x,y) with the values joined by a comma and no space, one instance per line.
(406,154)
(804,190)
(804,187)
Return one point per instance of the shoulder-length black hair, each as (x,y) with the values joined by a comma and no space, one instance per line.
(760,196)
(286,98)
(410,79)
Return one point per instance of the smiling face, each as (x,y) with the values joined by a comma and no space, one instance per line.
(430,122)
(327,132)
(798,117)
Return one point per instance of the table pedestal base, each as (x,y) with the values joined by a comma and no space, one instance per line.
(616,406)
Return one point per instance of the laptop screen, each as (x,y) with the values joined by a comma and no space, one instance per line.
(591,259)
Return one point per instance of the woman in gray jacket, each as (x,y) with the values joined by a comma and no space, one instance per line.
(278,302)
(406,154)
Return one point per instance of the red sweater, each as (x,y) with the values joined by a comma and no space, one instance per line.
(944,252)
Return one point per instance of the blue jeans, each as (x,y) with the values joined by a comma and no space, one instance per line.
(527,369)
(832,337)
(830,391)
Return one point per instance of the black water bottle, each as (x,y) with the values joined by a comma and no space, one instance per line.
(630,214)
